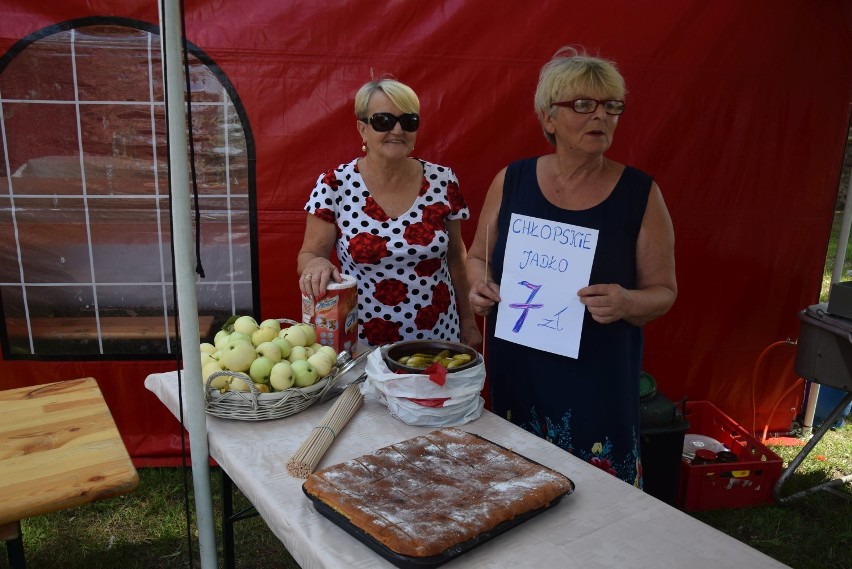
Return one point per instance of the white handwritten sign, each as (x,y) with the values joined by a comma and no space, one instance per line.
(546,263)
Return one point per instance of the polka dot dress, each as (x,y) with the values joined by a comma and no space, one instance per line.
(404,287)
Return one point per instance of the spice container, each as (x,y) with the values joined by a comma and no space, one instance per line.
(726,456)
(704,456)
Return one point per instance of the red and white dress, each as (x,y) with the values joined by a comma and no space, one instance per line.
(400,264)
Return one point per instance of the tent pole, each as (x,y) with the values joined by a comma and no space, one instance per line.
(843,238)
(172,45)
(836,276)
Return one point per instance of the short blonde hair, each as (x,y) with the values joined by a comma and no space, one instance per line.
(571,73)
(399,94)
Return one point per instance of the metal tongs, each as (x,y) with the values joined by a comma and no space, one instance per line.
(351,371)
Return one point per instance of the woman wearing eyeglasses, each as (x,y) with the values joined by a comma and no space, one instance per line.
(588,404)
(394,222)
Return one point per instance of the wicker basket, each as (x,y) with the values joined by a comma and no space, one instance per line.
(256,406)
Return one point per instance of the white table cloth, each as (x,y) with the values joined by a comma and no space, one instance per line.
(604,524)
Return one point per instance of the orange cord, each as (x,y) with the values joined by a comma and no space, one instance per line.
(799,381)
(754,380)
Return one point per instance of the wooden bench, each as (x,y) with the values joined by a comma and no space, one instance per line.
(140,328)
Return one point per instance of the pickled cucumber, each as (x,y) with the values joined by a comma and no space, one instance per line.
(445,358)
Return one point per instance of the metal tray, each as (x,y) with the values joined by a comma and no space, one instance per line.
(407,562)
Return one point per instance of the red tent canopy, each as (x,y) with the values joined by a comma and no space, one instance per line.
(740,110)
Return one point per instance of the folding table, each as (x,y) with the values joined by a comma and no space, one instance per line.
(604,523)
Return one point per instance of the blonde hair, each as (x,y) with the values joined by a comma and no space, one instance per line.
(571,73)
(400,94)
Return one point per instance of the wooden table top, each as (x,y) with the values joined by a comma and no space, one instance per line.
(59,448)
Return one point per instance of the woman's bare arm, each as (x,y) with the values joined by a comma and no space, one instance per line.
(656,283)
(484,292)
(313,260)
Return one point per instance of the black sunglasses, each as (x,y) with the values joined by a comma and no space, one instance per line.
(384,122)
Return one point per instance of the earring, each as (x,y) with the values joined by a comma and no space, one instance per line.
(363,148)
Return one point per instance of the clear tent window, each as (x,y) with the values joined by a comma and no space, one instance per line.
(85,251)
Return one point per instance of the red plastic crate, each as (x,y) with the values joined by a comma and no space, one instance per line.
(747,482)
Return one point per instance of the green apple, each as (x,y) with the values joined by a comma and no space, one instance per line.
(209,369)
(260,369)
(310,333)
(304,372)
(298,353)
(320,362)
(262,335)
(238,355)
(269,350)
(295,335)
(207,358)
(221,382)
(221,338)
(281,377)
(238,336)
(238,384)
(271,323)
(207,347)
(245,324)
(329,351)
(309,351)
(285,346)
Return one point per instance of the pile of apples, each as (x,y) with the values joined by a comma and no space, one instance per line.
(275,358)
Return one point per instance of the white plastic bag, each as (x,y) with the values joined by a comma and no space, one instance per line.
(380,378)
(454,411)
(454,403)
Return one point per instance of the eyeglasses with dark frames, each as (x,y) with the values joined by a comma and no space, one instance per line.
(384,122)
(588,106)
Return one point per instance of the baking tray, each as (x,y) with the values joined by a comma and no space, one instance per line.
(407,562)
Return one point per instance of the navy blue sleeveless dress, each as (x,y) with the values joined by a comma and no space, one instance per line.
(588,406)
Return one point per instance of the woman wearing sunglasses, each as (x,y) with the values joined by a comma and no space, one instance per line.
(393,221)
(587,404)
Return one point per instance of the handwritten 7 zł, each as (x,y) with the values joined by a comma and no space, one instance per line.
(545,264)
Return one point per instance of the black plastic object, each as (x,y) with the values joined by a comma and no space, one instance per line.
(662,429)
(824,351)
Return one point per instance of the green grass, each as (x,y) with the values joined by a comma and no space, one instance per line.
(813,532)
(147,529)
